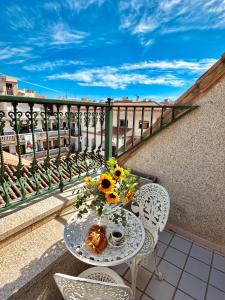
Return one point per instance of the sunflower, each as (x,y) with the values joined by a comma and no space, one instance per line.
(87,180)
(118,173)
(128,196)
(112,197)
(106,183)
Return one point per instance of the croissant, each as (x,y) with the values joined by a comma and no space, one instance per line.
(96,240)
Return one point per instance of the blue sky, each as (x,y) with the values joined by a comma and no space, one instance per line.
(109,48)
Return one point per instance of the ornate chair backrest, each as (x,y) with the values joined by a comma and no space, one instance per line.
(76,288)
(154,204)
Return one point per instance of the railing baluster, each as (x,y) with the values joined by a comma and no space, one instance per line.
(86,123)
(125,131)
(15,123)
(108,130)
(32,121)
(94,123)
(68,156)
(117,130)
(101,120)
(151,121)
(142,121)
(79,122)
(4,185)
(93,141)
(45,116)
(133,129)
(173,113)
(161,119)
(58,160)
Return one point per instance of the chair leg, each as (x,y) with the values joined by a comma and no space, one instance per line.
(157,272)
(134,265)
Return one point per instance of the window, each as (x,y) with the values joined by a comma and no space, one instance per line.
(145,125)
(122,123)
(9,89)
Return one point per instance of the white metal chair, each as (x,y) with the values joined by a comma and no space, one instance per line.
(97,283)
(153,204)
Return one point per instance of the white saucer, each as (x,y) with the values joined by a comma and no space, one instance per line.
(122,243)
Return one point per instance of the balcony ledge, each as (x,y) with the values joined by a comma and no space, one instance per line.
(32,247)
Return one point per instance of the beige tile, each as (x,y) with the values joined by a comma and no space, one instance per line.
(149,263)
(165,236)
(142,278)
(160,290)
(138,293)
(170,272)
(145,297)
(120,269)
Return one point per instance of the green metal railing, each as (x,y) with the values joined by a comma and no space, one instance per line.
(141,122)
(86,135)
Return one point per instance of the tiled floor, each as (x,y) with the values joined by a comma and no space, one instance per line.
(190,271)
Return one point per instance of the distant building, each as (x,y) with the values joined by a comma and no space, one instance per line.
(8,85)
(27,93)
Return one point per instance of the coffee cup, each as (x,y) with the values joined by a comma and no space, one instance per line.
(117,235)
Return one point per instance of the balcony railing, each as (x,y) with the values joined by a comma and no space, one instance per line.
(93,131)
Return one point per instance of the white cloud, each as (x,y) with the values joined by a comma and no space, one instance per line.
(79,5)
(115,78)
(14,52)
(19,18)
(201,65)
(72,5)
(170,16)
(51,65)
(164,72)
(62,34)
(15,62)
(58,35)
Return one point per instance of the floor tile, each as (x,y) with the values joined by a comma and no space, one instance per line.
(214,294)
(192,286)
(149,263)
(120,269)
(201,253)
(161,249)
(217,278)
(142,278)
(160,290)
(176,257)
(181,244)
(219,262)
(197,268)
(170,272)
(138,293)
(145,297)
(165,236)
(182,296)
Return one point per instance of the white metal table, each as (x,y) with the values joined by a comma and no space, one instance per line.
(76,230)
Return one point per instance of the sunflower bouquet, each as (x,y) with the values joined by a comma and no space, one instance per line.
(114,187)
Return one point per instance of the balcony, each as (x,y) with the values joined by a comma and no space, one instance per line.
(183,145)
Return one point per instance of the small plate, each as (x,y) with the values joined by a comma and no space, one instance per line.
(122,243)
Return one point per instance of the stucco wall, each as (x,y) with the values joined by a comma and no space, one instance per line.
(189,159)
